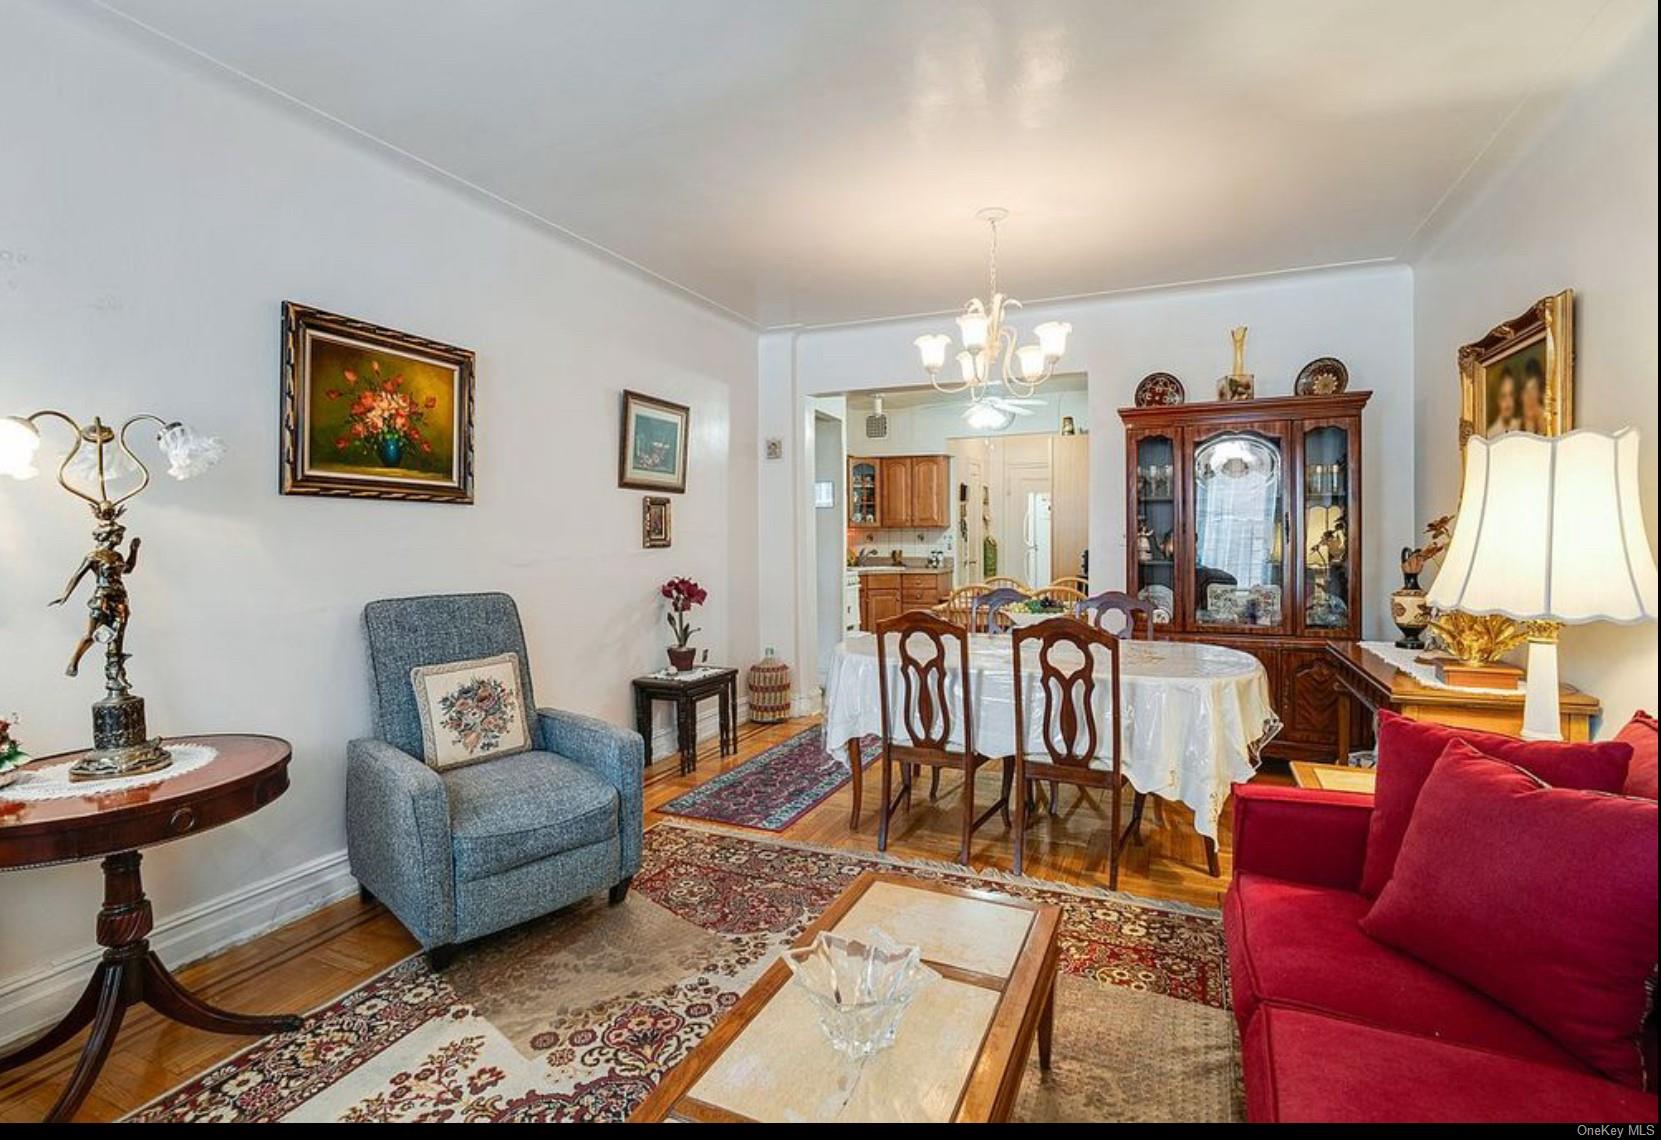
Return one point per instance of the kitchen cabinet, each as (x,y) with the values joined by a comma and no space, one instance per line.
(885,594)
(899,491)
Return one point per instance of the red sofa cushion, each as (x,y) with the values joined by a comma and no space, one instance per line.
(1543,898)
(1301,945)
(1301,1066)
(1408,749)
(1640,773)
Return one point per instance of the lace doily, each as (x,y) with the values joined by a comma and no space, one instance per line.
(53,783)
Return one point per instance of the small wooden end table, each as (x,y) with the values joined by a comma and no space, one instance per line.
(962,1045)
(1334,777)
(686,690)
(248,773)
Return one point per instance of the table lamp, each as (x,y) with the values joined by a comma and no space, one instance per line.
(103,471)
(1550,532)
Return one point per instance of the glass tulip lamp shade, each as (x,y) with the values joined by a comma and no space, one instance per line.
(932,347)
(19,440)
(972,329)
(1052,338)
(1550,531)
(189,453)
(1029,359)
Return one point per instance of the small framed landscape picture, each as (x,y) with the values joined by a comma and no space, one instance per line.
(373,413)
(652,452)
(654,529)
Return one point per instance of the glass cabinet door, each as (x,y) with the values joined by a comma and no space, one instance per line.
(862,492)
(1155,540)
(1240,517)
(1327,509)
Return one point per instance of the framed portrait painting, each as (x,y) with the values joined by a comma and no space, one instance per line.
(652,452)
(1520,377)
(373,413)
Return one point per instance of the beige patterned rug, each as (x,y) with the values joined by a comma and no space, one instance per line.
(578,1015)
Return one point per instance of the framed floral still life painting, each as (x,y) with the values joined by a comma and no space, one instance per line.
(652,453)
(373,413)
(1520,377)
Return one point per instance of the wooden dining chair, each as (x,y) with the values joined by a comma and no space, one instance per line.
(1005,581)
(984,609)
(917,701)
(1078,750)
(1066,596)
(1073,582)
(1118,613)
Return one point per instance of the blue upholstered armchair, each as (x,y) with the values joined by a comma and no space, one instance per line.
(467,852)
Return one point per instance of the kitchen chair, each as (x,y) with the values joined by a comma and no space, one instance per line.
(916,702)
(1066,596)
(1118,613)
(1077,750)
(1004,580)
(991,603)
(1073,582)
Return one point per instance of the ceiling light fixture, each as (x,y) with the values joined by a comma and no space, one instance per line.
(989,343)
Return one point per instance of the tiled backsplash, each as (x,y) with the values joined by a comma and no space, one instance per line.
(905,541)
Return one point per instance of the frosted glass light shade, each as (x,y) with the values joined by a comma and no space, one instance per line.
(19,440)
(984,416)
(932,347)
(966,367)
(119,469)
(1550,529)
(1030,359)
(1052,338)
(189,453)
(972,330)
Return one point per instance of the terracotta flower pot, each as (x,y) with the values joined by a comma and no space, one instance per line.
(682,657)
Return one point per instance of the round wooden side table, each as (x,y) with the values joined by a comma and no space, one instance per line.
(248,773)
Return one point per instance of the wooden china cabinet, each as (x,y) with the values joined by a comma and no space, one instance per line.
(1244,523)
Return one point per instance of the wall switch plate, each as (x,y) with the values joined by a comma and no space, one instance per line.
(773,448)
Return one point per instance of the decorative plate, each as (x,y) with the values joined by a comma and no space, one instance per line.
(1159,390)
(1325,376)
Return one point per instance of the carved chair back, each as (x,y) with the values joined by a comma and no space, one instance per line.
(926,651)
(983,610)
(1070,730)
(1133,617)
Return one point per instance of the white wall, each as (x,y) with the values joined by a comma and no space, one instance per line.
(1363,316)
(152,219)
(1576,210)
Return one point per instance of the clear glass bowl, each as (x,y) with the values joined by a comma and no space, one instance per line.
(861,988)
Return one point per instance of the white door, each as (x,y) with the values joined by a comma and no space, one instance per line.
(1037,526)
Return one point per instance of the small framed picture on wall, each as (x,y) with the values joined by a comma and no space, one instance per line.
(652,451)
(654,526)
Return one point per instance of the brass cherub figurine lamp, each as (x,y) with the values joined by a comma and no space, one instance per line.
(99,458)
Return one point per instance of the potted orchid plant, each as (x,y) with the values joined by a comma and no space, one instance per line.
(683,594)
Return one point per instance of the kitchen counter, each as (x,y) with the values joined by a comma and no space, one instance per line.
(899,569)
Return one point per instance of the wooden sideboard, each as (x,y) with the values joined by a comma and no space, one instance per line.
(1362,680)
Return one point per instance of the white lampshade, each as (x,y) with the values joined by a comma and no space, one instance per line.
(19,440)
(1030,359)
(1052,337)
(933,350)
(966,367)
(972,330)
(189,452)
(1550,529)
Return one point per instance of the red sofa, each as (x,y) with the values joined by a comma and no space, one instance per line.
(1336,1027)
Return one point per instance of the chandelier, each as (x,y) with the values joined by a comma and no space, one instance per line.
(991,350)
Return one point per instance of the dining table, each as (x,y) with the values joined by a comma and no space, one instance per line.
(1197,716)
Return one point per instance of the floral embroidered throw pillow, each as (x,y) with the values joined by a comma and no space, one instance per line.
(470,711)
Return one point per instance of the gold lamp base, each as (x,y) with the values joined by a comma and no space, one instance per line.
(120,744)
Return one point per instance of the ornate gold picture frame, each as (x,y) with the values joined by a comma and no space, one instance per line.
(1520,377)
(655,525)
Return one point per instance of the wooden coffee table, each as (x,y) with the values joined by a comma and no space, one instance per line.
(962,1044)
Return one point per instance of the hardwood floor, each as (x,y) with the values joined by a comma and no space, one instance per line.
(311,961)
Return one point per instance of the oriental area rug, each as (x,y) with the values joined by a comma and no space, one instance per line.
(577,1016)
(771,791)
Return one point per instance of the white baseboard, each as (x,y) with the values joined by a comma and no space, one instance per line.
(34,999)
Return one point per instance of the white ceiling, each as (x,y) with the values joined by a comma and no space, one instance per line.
(821,161)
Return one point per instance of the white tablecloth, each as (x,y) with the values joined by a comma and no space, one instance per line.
(1196,715)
